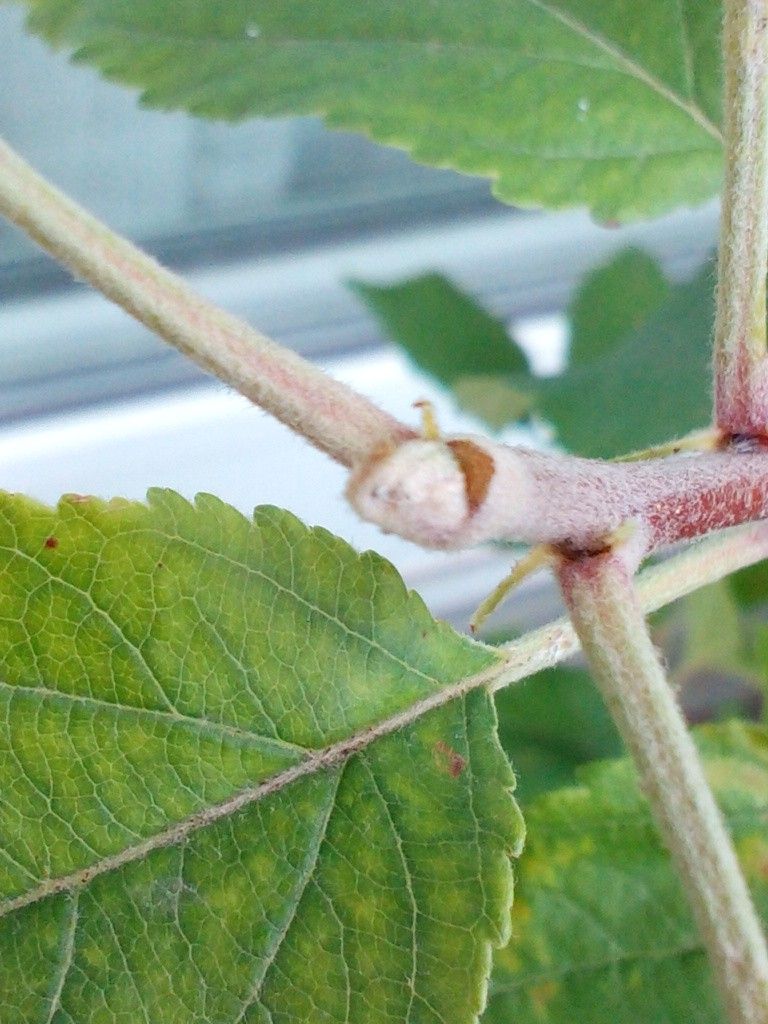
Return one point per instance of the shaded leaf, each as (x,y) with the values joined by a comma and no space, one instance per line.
(714,632)
(602,930)
(717,655)
(761,657)
(612,301)
(445,332)
(749,589)
(750,585)
(713,655)
(652,386)
(551,724)
(178,839)
(564,102)
(652,381)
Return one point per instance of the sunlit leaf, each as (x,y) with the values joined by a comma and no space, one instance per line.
(197,822)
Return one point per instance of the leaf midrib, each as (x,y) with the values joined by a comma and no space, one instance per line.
(634,69)
(317,760)
(255,740)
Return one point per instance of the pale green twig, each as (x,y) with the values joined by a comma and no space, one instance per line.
(741,366)
(607,616)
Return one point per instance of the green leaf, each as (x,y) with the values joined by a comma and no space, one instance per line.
(445,332)
(494,400)
(749,590)
(635,338)
(561,102)
(204,815)
(750,585)
(715,635)
(653,385)
(612,301)
(451,337)
(718,655)
(549,725)
(602,927)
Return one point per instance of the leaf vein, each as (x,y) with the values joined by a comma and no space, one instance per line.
(633,68)
(316,761)
(205,725)
(67,954)
(590,967)
(106,617)
(310,606)
(408,878)
(687,50)
(308,870)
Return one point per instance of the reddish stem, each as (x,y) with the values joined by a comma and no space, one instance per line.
(450,494)
(670,499)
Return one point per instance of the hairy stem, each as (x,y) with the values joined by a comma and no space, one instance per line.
(701,564)
(669,500)
(741,365)
(608,618)
(454,492)
(332,416)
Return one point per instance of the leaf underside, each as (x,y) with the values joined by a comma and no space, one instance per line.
(607,103)
(601,927)
(161,662)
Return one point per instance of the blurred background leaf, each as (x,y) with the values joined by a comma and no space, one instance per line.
(653,383)
(445,332)
(638,366)
(602,929)
(549,725)
(614,299)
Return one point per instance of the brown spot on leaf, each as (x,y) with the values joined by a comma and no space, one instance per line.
(449,760)
(542,995)
(51,542)
(478,469)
